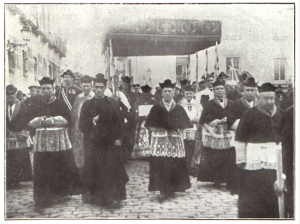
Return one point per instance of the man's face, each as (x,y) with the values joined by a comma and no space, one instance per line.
(47,91)
(176,91)
(188,95)
(219,91)
(209,82)
(38,92)
(33,92)
(68,80)
(267,100)
(86,88)
(99,88)
(167,94)
(223,78)
(136,89)
(249,93)
(11,99)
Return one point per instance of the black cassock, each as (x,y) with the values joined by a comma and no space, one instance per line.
(168,173)
(236,111)
(18,165)
(104,174)
(55,171)
(257,198)
(288,159)
(216,165)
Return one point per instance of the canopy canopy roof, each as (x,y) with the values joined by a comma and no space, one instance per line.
(163,37)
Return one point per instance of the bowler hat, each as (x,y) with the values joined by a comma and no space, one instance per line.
(11,90)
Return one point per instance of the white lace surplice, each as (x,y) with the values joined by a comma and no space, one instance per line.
(52,138)
(167,144)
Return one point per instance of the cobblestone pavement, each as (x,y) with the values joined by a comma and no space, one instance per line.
(201,201)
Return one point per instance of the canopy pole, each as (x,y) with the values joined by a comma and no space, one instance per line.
(197,72)
(112,65)
(217,61)
(206,68)
(105,62)
(108,63)
(189,68)
(280,183)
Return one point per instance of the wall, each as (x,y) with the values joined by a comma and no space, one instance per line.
(45,44)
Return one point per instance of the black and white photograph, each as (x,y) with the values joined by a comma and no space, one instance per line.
(150,111)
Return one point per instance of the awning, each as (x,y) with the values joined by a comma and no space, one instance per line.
(163,37)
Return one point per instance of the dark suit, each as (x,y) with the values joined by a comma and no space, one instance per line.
(18,165)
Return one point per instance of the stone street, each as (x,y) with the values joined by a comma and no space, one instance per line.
(201,201)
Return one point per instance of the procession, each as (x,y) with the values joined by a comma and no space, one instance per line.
(74,134)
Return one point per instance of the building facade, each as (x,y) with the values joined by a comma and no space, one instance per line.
(43,55)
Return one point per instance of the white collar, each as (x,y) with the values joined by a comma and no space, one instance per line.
(222,103)
(250,103)
(168,106)
(12,107)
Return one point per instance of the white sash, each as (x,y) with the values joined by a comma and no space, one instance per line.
(66,99)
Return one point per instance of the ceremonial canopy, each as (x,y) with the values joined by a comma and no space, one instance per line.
(155,37)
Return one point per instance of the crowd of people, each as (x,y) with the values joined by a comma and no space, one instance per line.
(84,131)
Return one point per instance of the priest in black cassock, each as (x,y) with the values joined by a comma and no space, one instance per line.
(240,106)
(257,140)
(217,158)
(104,174)
(237,93)
(168,168)
(55,171)
(18,141)
(234,114)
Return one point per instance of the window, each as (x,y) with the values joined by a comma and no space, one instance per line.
(44,66)
(279,69)
(25,63)
(182,68)
(50,70)
(233,67)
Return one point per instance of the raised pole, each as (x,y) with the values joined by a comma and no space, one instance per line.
(206,67)
(197,73)
(280,183)
(112,65)
(217,61)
